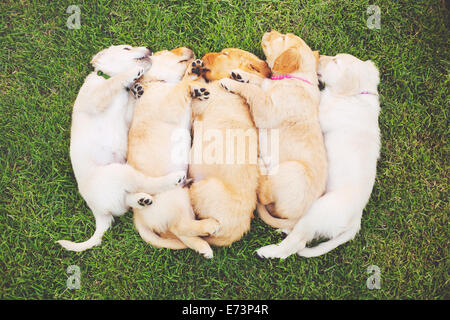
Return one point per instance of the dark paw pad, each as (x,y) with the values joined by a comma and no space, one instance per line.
(201,94)
(145,202)
(198,67)
(137,90)
(237,77)
(226,88)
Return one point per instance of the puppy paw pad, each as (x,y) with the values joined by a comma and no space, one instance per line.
(145,202)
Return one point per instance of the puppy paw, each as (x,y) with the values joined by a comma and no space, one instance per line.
(139,200)
(227,84)
(178,178)
(272,251)
(199,93)
(197,67)
(212,227)
(137,90)
(207,252)
(238,75)
(285,231)
(145,201)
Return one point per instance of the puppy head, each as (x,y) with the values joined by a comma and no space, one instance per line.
(118,59)
(171,65)
(345,74)
(220,64)
(288,53)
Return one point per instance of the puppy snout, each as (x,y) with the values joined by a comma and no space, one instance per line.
(149,50)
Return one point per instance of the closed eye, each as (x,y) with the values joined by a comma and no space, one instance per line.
(126,49)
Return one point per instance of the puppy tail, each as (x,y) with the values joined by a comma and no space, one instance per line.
(102,223)
(154,239)
(271,220)
(329,245)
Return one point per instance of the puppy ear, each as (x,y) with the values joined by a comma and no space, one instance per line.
(349,83)
(262,68)
(287,62)
(372,72)
(96,58)
(317,56)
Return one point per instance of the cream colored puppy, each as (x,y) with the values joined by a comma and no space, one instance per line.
(288,107)
(100,122)
(159,143)
(349,110)
(225,146)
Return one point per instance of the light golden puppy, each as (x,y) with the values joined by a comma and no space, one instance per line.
(159,143)
(286,105)
(224,152)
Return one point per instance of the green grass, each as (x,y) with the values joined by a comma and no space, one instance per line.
(404,227)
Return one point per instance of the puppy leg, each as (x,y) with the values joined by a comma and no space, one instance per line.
(197,244)
(264,191)
(197,228)
(246,77)
(291,189)
(260,103)
(135,181)
(101,96)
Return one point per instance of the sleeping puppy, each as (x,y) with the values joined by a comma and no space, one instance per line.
(100,122)
(223,161)
(159,143)
(288,106)
(348,112)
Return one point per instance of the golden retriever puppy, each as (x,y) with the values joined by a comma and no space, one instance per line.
(98,144)
(159,144)
(223,160)
(287,104)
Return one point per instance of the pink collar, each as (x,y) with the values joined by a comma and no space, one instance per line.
(368,92)
(289,77)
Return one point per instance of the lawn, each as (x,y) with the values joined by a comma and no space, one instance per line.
(404,227)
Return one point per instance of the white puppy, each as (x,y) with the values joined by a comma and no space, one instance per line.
(99,138)
(348,115)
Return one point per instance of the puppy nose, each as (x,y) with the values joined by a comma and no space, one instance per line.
(150,49)
(189,47)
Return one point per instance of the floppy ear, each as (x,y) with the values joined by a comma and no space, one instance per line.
(349,83)
(96,57)
(289,61)
(373,74)
(317,56)
(262,68)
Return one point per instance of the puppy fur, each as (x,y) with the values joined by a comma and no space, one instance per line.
(290,106)
(159,143)
(225,192)
(348,111)
(100,121)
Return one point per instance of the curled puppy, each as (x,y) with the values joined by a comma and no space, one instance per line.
(287,106)
(223,161)
(100,121)
(348,111)
(159,143)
